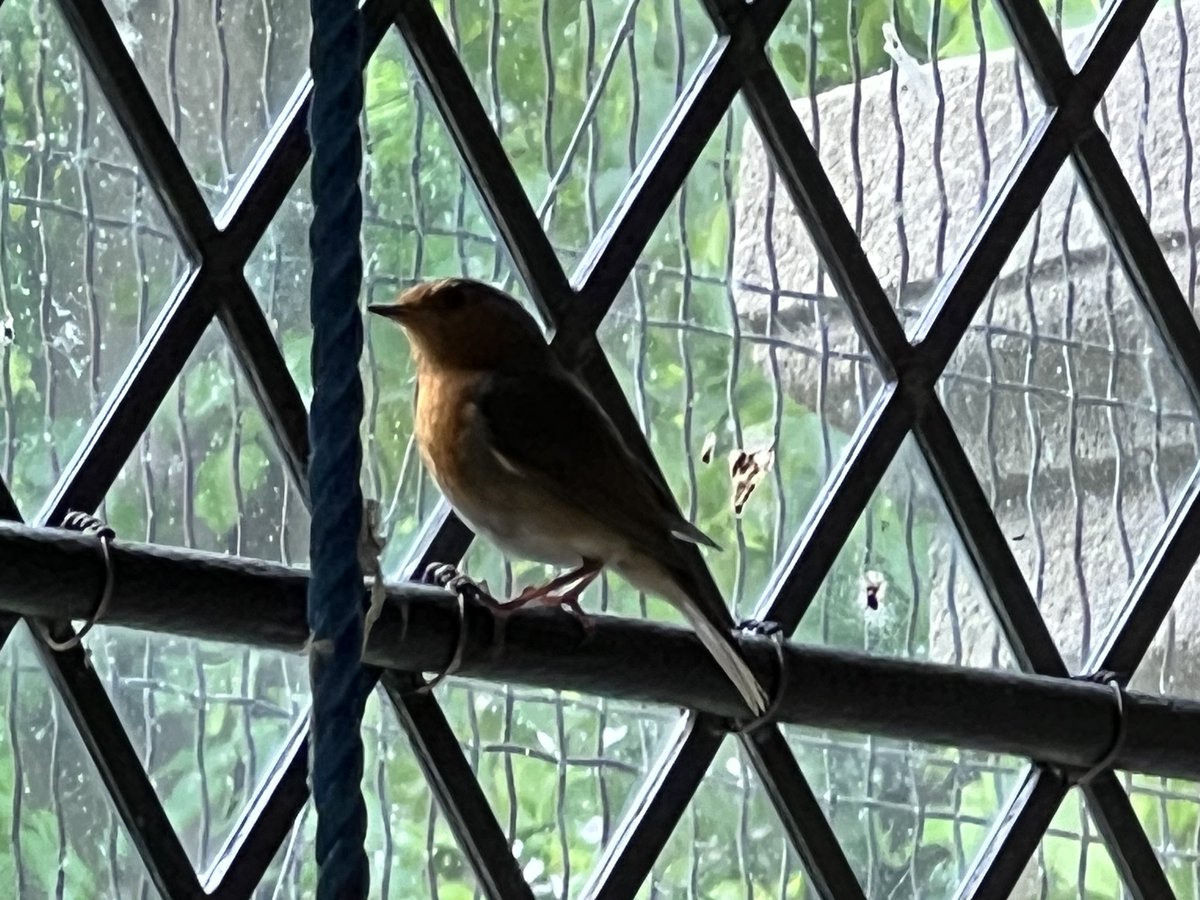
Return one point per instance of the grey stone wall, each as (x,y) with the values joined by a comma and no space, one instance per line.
(1080,431)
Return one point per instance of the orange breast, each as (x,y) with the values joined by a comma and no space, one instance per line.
(443,403)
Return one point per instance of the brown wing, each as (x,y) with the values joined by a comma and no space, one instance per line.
(551,429)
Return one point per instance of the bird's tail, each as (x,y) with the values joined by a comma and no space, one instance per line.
(677,584)
(720,643)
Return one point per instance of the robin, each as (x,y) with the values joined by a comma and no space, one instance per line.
(529,459)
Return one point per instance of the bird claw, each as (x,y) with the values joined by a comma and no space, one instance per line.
(1103,676)
(534,597)
(571,605)
(438,573)
(471,589)
(526,596)
(764,628)
(447,576)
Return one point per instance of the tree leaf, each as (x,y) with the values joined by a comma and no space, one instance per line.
(215,502)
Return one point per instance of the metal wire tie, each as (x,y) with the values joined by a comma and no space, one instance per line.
(1118,742)
(432,572)
(775,634)
(84,523)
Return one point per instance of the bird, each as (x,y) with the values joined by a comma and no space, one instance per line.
(528,458)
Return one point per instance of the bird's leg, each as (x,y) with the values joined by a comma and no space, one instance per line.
(546,595)
(570,599)
(447,576)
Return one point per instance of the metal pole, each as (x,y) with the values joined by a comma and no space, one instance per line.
(1063,722)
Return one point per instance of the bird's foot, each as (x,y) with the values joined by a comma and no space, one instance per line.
(764,628)
(447,576)
(1103,676)
(532,596)
(439,573)
(570,602)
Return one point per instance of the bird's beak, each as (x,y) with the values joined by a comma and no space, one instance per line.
(394,311)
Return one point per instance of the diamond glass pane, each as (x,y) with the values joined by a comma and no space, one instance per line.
(86,257)
(1171,665)
(1073,417)
(729,843)
(910,817)
(207,473)
(220,73)
(1071,861)
(1150,112)
(903,584)
(721,350)
(797,327)
(1169,810)
(917,115)
(409,846)
(557,769)
(207,718)
(64,838)
(577,92)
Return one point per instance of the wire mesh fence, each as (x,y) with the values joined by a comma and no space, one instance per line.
(728,336)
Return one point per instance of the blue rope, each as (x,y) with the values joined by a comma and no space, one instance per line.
(335,594)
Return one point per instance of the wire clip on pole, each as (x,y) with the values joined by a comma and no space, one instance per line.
(86,524)
(1106,761)
(774,633)
(447,576)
